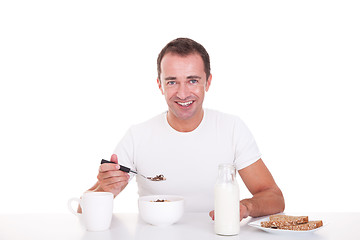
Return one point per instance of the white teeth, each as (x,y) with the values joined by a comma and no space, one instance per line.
(185,103)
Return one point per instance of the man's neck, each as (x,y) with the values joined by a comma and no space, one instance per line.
(185,125)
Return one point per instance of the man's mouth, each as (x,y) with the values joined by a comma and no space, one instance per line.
(185,104)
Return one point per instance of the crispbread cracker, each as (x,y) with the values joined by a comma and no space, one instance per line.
(305,226)
(295,223)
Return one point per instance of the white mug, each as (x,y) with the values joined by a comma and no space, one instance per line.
(97,209)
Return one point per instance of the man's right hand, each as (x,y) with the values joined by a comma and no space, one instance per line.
(110,179)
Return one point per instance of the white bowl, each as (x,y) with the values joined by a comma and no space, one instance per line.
(161,213)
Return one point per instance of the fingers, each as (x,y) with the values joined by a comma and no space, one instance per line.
(212,215)
(115,176)
(110,179)
(114,180)
(114,188)
(244,212)
(110,172)
(114,158)
(109,167)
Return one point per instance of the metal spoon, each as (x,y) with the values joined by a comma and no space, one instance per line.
(127,170)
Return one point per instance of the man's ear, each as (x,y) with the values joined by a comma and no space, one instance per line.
(160,87)
(208,83)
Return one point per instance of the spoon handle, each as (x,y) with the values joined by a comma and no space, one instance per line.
(122,168)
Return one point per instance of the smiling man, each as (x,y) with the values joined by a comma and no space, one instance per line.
(183,82)
(187,142)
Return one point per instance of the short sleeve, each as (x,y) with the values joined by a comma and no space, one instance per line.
(246,149)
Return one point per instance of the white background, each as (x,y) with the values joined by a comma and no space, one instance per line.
(75,75)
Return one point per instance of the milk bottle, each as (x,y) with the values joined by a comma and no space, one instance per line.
(227,212)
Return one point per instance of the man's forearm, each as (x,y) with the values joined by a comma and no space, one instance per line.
(267,202)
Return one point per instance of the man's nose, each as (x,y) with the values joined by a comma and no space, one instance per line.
(183,91)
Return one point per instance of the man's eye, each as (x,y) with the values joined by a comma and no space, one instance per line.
(170,82)
(193,81)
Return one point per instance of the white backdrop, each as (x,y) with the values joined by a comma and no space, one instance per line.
(75,75)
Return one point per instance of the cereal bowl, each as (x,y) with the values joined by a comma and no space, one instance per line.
(161,210)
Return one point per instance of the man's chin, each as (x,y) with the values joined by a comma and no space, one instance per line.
(184,114)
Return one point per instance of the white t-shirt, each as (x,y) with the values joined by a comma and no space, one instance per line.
(190,160)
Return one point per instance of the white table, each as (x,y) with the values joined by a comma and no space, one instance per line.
(199,226)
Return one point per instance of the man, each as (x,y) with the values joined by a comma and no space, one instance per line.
(187,143)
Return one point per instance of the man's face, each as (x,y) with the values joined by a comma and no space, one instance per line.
(183,83)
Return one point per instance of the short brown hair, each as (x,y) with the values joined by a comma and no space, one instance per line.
(185,47)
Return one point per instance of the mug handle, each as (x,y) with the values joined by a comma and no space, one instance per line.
(70,207)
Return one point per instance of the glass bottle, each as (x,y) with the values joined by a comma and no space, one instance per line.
(227,202)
